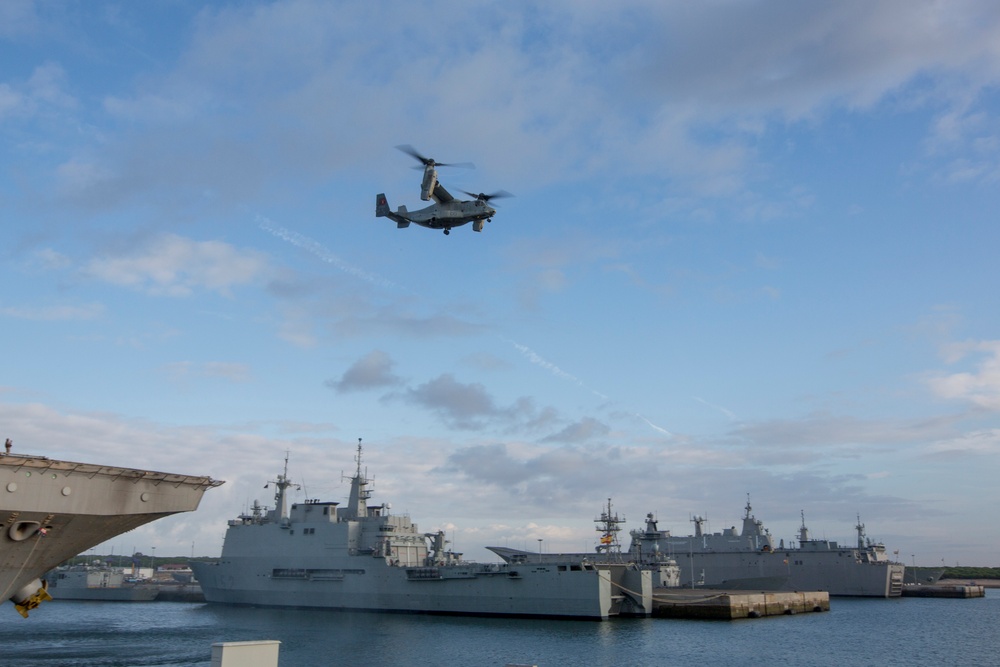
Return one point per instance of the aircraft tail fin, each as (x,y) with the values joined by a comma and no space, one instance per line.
(382,210)
(381,206)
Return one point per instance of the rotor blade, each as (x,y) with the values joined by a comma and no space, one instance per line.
(499,194)
(431,162)
(410,150)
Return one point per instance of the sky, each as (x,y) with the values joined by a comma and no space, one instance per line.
(752,250)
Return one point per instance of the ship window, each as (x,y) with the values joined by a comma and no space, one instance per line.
(291,532)
(562,568)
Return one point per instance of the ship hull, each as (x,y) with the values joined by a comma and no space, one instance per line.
(53,510)
(538,591)
(122,594)
(837,573)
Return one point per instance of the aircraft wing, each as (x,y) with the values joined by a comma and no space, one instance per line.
(441,195)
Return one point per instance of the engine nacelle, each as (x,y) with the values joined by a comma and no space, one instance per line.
(429,182)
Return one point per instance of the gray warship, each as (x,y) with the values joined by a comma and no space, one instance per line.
(99,584)
(750,560)
(53,510)
(365,558)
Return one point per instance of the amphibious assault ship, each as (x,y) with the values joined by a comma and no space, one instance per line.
(750,560)
(53,510)
(365,558)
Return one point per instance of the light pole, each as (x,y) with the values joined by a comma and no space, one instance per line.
(152,564)
(539,550)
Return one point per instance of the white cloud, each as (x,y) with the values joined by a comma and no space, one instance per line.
(17,18)
(41,93)
(984,442)
(172,265)
(54,313)
(979,386)
(372,371)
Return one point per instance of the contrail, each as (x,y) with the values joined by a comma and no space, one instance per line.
(538,360)
(535,358)
(321,251)
(654,426)
(721,409)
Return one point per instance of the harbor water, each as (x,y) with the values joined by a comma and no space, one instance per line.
(907,631)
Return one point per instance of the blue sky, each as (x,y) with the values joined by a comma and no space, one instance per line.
(752,250)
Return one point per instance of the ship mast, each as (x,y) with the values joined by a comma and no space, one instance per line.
(280,510)
(609,525)
(803,531)
(357,505)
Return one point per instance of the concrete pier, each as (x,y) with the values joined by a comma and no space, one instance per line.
(731,605)
(944,591)
(262,653)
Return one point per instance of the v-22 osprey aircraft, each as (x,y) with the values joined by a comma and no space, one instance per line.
(446,211)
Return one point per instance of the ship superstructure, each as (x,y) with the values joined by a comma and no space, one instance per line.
(749,559)
(662,569)
(52,510)
(319,554)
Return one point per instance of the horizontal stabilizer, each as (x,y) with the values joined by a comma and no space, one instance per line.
(382,210)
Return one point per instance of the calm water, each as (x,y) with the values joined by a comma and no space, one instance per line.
(859,632)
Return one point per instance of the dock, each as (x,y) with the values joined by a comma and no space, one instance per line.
(731,605)
(944,591)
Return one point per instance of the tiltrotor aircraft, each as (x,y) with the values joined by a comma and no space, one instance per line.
(446,211)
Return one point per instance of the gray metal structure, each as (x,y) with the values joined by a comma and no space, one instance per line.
(750,560)
(53,510)
(99,584)
(365,558)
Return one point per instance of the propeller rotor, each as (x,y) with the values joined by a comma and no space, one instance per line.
(482,196)
(429,161)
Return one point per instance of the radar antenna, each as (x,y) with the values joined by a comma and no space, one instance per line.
(357,506)
(609,525)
